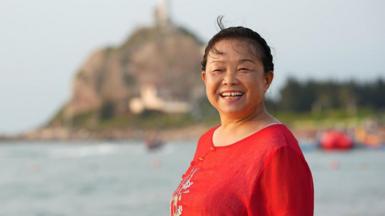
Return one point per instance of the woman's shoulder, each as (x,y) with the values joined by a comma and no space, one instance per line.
(278,136)
(274,131)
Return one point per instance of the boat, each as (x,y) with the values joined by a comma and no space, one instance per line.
(153,143)
(335,140)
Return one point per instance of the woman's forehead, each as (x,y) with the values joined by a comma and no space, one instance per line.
(233,48)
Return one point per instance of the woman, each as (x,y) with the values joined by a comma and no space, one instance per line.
(251,163)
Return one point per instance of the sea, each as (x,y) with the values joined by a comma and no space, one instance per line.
(124,178)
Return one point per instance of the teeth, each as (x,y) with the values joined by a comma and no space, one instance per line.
(231,94)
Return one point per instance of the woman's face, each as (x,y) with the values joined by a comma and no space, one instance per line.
(235,79)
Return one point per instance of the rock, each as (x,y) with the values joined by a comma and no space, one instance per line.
(162,58)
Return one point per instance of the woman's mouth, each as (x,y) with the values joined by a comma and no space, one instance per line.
(231,94)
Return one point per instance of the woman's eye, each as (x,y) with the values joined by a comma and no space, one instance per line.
(244,70)
(218,70)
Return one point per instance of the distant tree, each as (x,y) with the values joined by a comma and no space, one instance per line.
(317,96)
(377,94)
(296,97)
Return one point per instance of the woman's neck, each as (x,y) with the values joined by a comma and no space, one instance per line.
(234,129)
(259,117)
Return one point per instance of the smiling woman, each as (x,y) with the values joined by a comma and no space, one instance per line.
(235,80)
(251,163)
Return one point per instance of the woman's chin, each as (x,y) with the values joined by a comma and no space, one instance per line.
(231,103)
(232,110)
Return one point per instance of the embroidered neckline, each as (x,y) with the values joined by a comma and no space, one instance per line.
(211,135)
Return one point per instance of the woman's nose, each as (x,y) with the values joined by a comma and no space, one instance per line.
(230,78)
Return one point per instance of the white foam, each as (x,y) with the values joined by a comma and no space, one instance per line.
(83,151)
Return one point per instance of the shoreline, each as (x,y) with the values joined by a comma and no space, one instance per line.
(116,135)
(121,135)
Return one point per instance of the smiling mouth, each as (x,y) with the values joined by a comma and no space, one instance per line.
(231,94)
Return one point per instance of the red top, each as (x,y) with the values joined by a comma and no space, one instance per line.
(264,174)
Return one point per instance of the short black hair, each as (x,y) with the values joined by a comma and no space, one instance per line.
(240,32)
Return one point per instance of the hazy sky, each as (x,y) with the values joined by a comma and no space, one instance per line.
(44,42)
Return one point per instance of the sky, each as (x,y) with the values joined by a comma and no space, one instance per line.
(44,42)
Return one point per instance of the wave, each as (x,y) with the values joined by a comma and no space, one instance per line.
(84,151)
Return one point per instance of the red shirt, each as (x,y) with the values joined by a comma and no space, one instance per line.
(264,174)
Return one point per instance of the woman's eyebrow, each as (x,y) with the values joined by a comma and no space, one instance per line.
(216,61)
(246,60)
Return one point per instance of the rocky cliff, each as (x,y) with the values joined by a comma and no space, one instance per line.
(162,58)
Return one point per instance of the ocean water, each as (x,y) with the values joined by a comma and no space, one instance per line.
(113,179)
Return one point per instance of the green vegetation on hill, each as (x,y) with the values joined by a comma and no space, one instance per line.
(104,119)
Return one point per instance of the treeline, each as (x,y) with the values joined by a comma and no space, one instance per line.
(318,96)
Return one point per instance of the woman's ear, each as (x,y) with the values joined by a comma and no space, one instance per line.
(203,76)
(268,79)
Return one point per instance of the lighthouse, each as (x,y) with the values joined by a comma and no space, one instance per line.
(161,13)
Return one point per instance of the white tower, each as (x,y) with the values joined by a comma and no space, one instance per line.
(162,13)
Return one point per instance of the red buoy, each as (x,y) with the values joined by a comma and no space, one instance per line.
(336,140)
